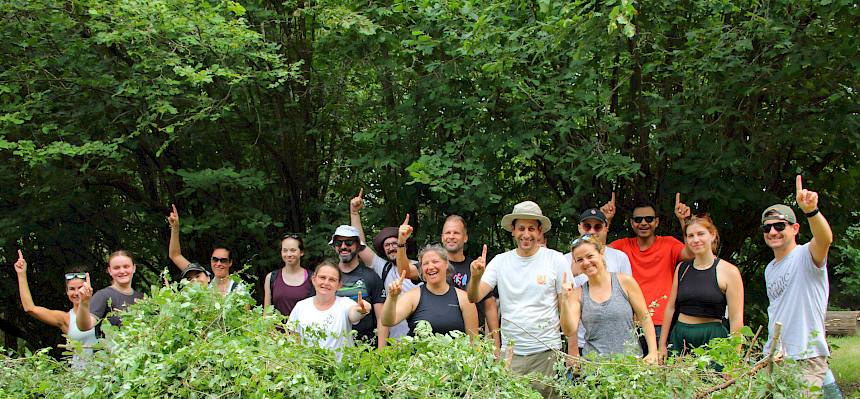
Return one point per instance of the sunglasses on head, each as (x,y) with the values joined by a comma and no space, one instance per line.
(584,238)
(72,276)
(291,235)
(588,226)
(647,219)
(338,243)
(779,226)
(216,259)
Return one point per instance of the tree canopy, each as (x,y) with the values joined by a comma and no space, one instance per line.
(258,118)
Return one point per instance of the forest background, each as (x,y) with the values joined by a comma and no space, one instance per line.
(260,118)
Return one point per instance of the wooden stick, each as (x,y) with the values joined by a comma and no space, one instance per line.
(774,347)
(752,343)
(758,366)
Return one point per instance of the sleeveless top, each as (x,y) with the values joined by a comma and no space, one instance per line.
(441,311)
(285,296)
(86,338)
(609,324)
(699,293)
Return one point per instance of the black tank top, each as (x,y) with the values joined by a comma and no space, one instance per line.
(699,293)
(441,311)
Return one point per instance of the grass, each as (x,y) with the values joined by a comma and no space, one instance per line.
(845,363)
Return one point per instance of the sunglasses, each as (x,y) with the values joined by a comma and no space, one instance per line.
(338,243)
(584,238)
(223,261)
(72,276)
(588,226)
(780,226)
(292,235)
(647,219)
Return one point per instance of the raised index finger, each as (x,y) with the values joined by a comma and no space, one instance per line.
(799,183)
(677,198)
(406,221)
(402,276)
(484,253)
(361,193)
(88,278)
(174,209)
(612,201)
(20,255)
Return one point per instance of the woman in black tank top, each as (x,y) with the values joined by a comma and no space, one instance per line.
(701,291)
(444,306)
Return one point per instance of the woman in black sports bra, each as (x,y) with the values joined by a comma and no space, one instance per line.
(444,306)
(701,291)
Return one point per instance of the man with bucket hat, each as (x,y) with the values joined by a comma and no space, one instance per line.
(534,284)
(347,244)
(382,258)
(797,284)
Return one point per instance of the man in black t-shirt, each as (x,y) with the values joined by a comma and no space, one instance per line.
(454,237)
(346,244)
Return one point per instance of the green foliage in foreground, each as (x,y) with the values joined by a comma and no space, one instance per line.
(188,342)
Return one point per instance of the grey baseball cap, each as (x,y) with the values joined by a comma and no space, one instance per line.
(779,212)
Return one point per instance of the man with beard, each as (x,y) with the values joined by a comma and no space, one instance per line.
(652,257)
(454,238)
(384,243)
(347,245)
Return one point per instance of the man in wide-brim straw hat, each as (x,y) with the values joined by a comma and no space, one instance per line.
(533,284)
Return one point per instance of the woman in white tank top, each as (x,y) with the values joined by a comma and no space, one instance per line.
(65,321)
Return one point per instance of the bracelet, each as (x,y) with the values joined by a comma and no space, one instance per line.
(812,213)
(399,245)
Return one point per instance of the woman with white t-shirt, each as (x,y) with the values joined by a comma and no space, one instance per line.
(65,321)
(326,318)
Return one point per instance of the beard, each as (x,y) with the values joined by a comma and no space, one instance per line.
(346,258)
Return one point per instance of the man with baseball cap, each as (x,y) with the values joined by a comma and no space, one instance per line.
(347,244)
(534,284)
(383,259)
(593,221)
(195,272)
(797,284)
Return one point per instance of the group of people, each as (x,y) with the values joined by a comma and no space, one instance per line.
(646,295)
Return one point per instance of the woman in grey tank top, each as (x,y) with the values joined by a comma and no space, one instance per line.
(609,304)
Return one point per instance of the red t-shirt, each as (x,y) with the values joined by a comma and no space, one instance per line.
(653,268)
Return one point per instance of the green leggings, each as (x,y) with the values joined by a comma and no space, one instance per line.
(688,336)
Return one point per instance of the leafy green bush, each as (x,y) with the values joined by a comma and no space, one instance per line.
(185,341)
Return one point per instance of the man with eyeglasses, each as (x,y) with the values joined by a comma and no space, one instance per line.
(653,258)
(593,223)
(797,284)
(383,260)
(347,245)
(220,261)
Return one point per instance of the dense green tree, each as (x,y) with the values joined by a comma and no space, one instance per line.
(258,118)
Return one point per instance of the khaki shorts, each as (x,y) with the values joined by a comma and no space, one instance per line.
(814,370)
(541,363)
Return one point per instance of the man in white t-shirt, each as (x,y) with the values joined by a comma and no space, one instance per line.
(533,292)
(382,258)
(593,221)
(797,284)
